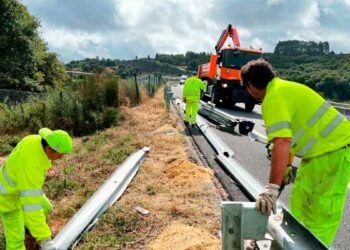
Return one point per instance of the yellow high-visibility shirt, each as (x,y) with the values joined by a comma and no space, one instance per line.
(192,89)
(293,110)
(21,180)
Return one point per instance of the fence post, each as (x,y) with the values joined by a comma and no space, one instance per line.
(137,91)
(149,85)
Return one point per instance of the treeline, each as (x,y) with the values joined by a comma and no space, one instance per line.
(295,47)
(162,63)
(25,63)
(326,72)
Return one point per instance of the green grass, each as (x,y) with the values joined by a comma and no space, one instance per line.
(58,187)
(120,150)
(69,169)
(114,229)
(97,142)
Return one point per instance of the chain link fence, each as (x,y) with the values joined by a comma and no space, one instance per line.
(150,82)
(13,96)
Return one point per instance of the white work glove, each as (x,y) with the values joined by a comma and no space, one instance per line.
(47,244)
(266,202)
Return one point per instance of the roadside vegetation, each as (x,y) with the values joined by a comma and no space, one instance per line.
(176,192)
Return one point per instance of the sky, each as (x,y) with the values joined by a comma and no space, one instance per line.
(124,29)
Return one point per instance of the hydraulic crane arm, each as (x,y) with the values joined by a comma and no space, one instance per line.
(228,32)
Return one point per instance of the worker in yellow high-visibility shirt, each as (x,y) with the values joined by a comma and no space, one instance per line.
(22,201)
(191,95)
(300,122)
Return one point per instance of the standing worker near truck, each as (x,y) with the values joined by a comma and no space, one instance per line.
(191,94)
(300,122)
(22,201)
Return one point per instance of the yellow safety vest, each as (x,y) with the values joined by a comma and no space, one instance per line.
(21,180)
(293,110)
(192,89)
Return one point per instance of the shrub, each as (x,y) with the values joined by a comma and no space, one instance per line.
(83,108)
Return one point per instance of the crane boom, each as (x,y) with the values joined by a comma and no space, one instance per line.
(228,32)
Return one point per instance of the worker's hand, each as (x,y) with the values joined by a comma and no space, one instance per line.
(47,244)
(266,202)
(288,175)
(50,172)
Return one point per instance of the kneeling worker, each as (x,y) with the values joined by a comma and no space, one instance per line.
(191,95)
(22,201)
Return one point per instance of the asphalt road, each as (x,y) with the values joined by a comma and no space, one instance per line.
(252,155)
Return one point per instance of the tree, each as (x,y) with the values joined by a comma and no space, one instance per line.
(193,65)
(24,61)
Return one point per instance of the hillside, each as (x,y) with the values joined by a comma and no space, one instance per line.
(328,74)
(309,63)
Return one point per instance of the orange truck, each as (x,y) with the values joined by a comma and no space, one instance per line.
(222,73)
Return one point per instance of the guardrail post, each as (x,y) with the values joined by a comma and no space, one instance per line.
(168,94)
(240,220)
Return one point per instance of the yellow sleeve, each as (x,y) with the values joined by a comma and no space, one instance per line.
(30,182)
(277,117)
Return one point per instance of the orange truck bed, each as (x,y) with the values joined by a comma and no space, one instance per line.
(208,70)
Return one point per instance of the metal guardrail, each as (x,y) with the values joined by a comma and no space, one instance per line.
(101,200)
(341,105)
(343,108)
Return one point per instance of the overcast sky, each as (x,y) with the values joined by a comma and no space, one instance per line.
(123,29)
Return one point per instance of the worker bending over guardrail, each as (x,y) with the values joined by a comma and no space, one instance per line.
(191,95)
(22,201)
(299,121)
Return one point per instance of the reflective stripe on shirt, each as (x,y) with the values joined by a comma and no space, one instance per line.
(311,122)
(332,125)
(2,189)
(7,177)
(27,193)
(300,132)
(319,113)
(278,126)
(307,147)
(31,207)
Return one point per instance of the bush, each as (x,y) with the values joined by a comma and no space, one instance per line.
(83,108)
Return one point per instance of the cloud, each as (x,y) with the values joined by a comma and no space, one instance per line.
(128,28)
(309,18)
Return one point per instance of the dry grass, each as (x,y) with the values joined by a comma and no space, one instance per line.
(168,185)
(174,190)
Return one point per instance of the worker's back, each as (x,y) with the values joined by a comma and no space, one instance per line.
(294,110)
(192,89)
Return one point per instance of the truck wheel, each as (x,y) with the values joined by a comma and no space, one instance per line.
(204,98)
(249,106)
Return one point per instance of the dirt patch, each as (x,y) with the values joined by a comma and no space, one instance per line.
(184,172)
(166,129)
(182,237)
